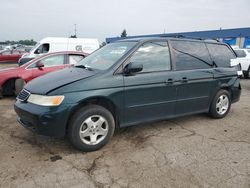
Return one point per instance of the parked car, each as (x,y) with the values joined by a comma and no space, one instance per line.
(244,60)
(130,82)
(10,56)
(55,44)
(12,80)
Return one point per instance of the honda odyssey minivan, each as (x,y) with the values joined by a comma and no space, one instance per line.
(130,82)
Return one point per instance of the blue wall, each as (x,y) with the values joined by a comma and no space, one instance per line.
(212,34)
(230,41)
(246,42)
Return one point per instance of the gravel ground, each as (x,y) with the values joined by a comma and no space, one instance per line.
(193,151)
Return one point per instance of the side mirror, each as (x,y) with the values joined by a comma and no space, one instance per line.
(38,51)
(39,65)
(133,68)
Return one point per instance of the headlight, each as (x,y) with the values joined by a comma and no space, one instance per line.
(45,100)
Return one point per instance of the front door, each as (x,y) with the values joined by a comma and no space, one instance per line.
(151,93)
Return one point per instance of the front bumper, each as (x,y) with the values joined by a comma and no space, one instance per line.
(48,121)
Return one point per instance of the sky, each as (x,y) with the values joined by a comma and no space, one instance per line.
(36,19)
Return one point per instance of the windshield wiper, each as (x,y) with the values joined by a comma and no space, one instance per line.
(84,67)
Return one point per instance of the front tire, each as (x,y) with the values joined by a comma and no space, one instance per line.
(220,105)
(91,127)
(19,84)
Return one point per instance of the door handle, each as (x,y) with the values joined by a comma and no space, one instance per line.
(169,81)
(184,79)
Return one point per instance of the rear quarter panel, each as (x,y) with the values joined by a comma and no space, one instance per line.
(226,78)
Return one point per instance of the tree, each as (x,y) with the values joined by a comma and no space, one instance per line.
(23,42)
(26,42)
(124,33)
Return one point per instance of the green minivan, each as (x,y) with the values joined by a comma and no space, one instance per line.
(129,82)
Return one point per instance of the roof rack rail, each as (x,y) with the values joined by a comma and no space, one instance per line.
(189,37)
(209,39)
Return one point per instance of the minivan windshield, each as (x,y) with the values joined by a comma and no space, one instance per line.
(106,56)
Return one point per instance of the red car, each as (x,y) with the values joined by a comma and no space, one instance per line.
(10,56)
(12,80)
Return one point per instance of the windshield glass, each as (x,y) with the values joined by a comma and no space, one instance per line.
(106,56)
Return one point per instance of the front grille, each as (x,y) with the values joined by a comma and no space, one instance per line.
(23,95)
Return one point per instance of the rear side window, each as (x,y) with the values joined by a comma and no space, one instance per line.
(240,53)
(154,56)
(221,54)
(73,59)
(190,55)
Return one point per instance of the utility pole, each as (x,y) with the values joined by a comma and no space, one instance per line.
(75,29)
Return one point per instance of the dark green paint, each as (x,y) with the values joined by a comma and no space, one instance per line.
(137,98)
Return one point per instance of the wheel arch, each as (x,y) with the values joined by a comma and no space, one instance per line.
(8,85)
(97,100)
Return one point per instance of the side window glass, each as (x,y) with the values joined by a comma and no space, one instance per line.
(220,54)
(191,55)
(43,48)
(73,59)
(154,56)
(240,53)
(33,65)
(53,61)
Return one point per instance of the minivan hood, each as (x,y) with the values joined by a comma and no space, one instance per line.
(44,84)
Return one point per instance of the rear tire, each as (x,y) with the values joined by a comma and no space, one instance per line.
(220,105)
(248,73)
(91,127)
(19,84)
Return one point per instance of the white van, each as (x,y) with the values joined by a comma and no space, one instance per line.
(55,44)
(243,57)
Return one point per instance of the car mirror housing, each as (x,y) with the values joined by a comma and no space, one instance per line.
(133,68)
(39,65)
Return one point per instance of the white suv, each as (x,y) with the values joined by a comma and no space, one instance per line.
(243,56)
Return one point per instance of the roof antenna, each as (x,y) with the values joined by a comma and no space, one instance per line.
(75,30)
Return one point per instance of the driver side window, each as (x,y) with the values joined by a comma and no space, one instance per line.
(50,61)
(154,56)
(43,48)
(53,61)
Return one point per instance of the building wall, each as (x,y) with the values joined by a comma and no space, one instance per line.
(239,35)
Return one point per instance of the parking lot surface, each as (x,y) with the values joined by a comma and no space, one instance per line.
(192,151)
